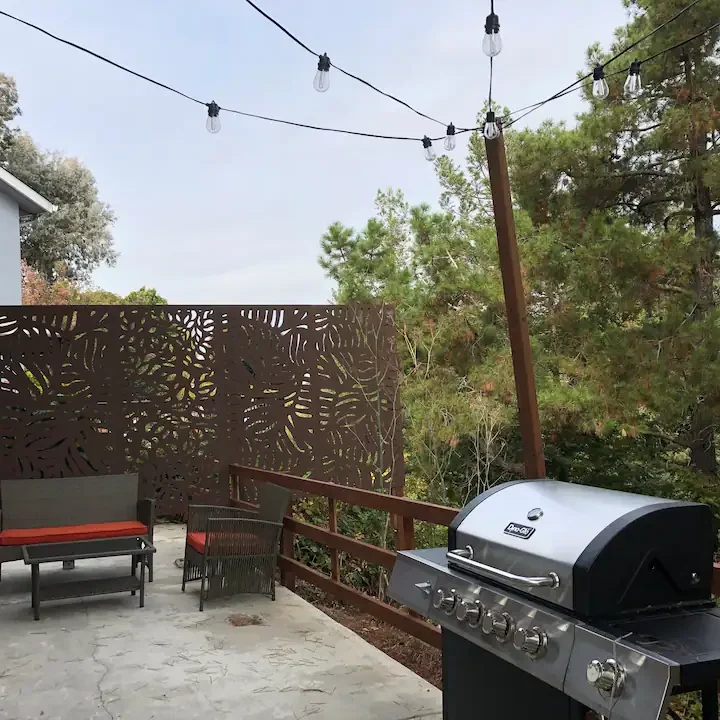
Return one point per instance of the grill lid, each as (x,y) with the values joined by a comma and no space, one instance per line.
(593,551)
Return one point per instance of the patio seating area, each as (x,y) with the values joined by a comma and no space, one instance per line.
(243,657)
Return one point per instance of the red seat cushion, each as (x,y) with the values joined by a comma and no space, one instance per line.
(250,543)
(196,541)
(68,533)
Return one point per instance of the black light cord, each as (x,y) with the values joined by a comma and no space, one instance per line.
(490,85)
(102,57)
(680,44)
(281,27)
(297,40)
(325,129)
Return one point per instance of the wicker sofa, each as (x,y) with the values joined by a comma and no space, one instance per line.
(46,510)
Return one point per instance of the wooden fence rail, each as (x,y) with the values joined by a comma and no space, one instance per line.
(404,509)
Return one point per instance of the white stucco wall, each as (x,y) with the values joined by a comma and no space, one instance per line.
(10,291)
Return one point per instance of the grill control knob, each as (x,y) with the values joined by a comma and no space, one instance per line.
(444,600)
(497,623)
(608,677)
(532,641)
(470,611)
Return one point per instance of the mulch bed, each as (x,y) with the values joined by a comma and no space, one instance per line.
(415,655)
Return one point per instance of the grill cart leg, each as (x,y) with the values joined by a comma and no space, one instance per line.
(710,702)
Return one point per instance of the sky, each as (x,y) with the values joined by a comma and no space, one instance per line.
(237,217)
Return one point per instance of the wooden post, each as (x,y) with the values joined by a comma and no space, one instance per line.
(516,309)
(332,526)
(287,578)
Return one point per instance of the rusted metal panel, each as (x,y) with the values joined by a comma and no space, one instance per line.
(177,393)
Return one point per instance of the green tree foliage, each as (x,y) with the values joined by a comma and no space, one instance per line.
(145,296)
(631,192)
(38,290)
(615,224)
(75,239)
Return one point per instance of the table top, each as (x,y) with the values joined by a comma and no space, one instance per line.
(84,549)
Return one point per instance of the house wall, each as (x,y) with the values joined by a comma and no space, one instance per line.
(10,291)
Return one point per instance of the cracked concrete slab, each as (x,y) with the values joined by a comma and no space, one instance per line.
(104,658)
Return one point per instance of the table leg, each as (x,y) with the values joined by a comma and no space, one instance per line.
(133,568)
(142,581)
(35,571)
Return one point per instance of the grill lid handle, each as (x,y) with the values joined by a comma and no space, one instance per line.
(463,558)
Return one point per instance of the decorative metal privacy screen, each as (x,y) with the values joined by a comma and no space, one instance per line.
(177,393)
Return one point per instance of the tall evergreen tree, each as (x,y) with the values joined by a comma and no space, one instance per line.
(619,252)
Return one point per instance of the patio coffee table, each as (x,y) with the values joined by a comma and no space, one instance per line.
(139,548)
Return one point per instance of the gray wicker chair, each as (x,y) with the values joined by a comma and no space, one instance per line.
(231,550)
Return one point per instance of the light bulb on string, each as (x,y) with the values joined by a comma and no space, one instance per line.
(492,42)
(633,84)
(450,138)
(429,152)
(491,129)
(322,77)
(600,88)
(213,119)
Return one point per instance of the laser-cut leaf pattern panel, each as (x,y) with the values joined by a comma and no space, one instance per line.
(177,393)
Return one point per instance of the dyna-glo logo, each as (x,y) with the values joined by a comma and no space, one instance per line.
(519,531)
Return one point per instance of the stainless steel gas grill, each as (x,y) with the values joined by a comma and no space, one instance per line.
(556,599)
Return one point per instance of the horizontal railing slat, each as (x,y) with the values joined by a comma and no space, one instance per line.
(417,509)
(356,548)
(420,629)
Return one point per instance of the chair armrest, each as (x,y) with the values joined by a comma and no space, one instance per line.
(227,536)
(146,514)
(198,515)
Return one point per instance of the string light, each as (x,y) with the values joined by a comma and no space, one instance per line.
(429,152)
(213,119)
(213,122)
(450,138)
(347,73)
(492,42)
(322,76)
(633,84)
(491,129)
(600,88)
(580,83)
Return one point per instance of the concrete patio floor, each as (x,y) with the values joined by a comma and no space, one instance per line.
(104,657)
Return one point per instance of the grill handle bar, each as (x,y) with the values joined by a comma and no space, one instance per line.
(463,558)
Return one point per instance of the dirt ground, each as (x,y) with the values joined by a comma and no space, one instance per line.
(422,659)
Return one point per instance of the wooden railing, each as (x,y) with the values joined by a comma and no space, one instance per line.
(404,509)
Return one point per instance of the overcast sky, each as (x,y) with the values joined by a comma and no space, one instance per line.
(237,217)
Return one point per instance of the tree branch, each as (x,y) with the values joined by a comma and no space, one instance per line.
(667,438)
(657,199)
(672,289)
(677,213)
(641,129)
(638,173)
(510,467)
